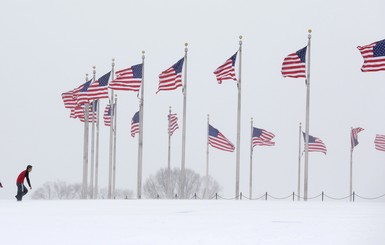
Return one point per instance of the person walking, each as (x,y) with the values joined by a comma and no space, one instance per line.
(21,189)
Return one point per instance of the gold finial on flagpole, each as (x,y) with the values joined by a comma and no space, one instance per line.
(309,31)
(94,71)
(240,39)
(185,47)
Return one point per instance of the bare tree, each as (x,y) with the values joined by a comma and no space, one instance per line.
(62,190)
(158,185)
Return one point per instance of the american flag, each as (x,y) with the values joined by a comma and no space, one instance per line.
(99,88)
(82,95)
(78,112)
(107,115)
(226,71)
(70,97)
(128,79)
(219,141)
(294,64)
(262,137)
(374,56)
(354,136)
(135,124)
(171,78)
(172,123)
(380,142)
(68,100)
(315,144)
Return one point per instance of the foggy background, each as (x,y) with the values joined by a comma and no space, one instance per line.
(47,47)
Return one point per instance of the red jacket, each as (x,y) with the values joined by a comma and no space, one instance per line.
(20,179)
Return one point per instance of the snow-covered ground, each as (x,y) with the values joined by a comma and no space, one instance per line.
(190,222)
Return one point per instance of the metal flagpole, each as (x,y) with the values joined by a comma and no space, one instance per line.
(351,166)
(140,141)
(299,162)
(95,190)
(169,156)
(238,157)
(92,142)
(307,117)
(92,149)
(114,111)
(111,136)
(85,149)
(183,167)
(251,162)
(207,156)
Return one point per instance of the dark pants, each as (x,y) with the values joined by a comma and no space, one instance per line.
(21,191)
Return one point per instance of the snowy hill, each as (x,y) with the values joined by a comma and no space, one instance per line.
(190,222)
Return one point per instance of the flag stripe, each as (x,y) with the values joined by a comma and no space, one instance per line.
(171,78)
(172,123)
(135,124)
(262,137)
(315,144)
(294,66)
(128,79)
(107,115)
(354,136)
(218,140)
(226,71)
(380,142)
(374,56)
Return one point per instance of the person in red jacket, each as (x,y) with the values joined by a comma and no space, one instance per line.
(21,189)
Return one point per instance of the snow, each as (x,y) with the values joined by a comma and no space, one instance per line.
(191,222)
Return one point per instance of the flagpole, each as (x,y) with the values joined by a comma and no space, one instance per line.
(111,135)
(351,167)
(307,117)
(92,148)
(114,111)
(140,141)
(95,188)
(169,156)
(207,155)
(183,167)
(299,162)
(238,122)
(92,142)
(85,149)
(251,162)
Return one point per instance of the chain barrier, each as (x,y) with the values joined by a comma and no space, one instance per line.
(263,196)
(309,198)
(280,198)
(370,198)
(216,196)
(337,198)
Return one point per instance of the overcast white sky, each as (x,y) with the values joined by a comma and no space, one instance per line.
(48,46)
